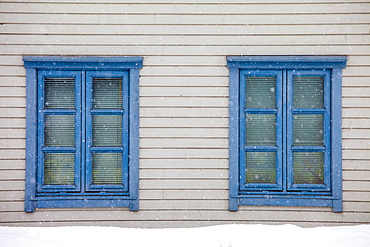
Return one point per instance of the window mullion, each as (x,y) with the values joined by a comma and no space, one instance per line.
(83,143)
(327,134)
(88,132)
(289,130)
(285,130)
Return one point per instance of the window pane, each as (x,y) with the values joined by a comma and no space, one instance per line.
(308,92)
(107,93)
(107,130)
(308,168)
(59,130)
(107,168)
(261,167)
(308,130)
(59,169)
(261,129)
(261,92)
(59,92)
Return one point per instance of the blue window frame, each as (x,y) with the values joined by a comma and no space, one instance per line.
(285,131)
(82,132)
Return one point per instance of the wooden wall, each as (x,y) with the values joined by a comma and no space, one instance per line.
(184,98)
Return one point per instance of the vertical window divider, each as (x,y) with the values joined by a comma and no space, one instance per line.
(289,128)
(125,130)
(327,135)
(88,132)
(40,130)
(284,129)
(242,133)
(83,112)
(78,129)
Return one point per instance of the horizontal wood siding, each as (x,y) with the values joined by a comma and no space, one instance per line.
(184,98)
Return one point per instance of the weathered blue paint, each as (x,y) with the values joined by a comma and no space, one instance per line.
(88,63)
(233,139)
(31,140)
(336,138)
(286,62)
(285,192)
(82,69)
(134,118)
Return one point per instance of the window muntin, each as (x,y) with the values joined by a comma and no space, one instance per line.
(82,124)
(285,148)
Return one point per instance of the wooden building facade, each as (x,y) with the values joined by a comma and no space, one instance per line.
(184,96)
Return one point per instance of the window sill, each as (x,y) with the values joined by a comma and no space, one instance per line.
(70,202)
(286,200)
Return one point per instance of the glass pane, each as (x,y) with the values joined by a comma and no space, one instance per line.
(261,92)
(59,92)
(107,130)
(309,92)
(308,168)
(59,130)
(308,130)
(107,168)
(261,167)
(107,93)
(261,129)
(59,168)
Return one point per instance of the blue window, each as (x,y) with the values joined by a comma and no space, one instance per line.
(82,132)
(285,131)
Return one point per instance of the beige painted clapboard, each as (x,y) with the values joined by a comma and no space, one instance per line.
(184,97)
